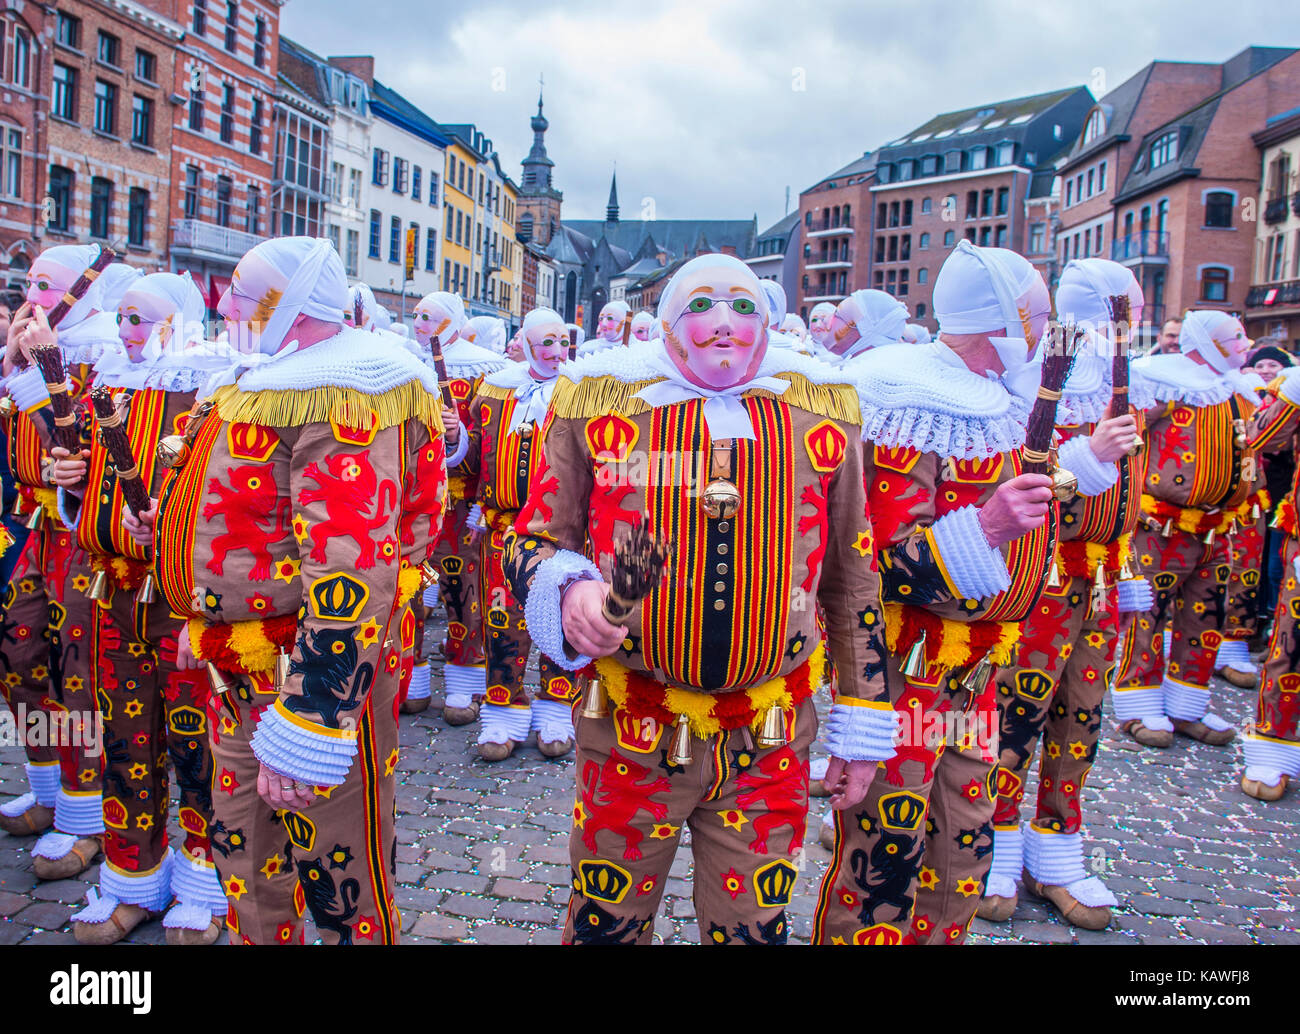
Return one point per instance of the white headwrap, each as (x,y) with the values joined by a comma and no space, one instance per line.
(317,285)
(1203,330)
(621,307)
(794,325)
(487,332)
(1083,298)
(775,303)
(982,291)
(90,325)
(454,308)
(878,316)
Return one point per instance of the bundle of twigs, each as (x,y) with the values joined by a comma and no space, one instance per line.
(112,434)
(358,312)
(627,328)
(81,285)
(1119,315)
(573,344)
(440,365)
(639,562)
(1063,342)
(49,360)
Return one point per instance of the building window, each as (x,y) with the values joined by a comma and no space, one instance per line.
(12,166)
(254,210)
(902,283)
(401,169)
(949,238)
(979,158)
(923,242)
(22,58)
(351,257)
(141,121)
(1097,239)
(431,251)
(446,274)
(67,31)
(1214,284)
(415,183)
(1000,237)
(1006,152)
(446,230)
(922,275)
(952,161)
(985,234)
(1037,238)
(196,111)
(105,108)
(907,213)
(395,240)
(925,206)
(1004,197)
(1069,193)
(255,128)
(64,101)
(232,26)
(137,216)
(986,203)
(920,310)
(259,42)
(1277,257)
(110,48)
(1101,177)
(1218,209)
(223,200)
(379,168)
(61,194)
(191,196)
(1164,149)
(101,207)
(433,187)
(972,204)
(1095,127)
(1090,180)
(228,114)
(199,25)
(374,233)
(905,169)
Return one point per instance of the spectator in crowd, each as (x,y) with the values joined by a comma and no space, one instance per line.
(1269,360)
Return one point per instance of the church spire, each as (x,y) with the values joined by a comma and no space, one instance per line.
(611,209)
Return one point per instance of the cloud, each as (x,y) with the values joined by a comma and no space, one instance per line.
(713,107)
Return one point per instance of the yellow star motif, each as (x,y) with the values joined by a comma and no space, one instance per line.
(13,679)
(580,814)
(391,763)
(135,649)
(73,684)
(664,831)
(273,866)
(137,771)
(144,821)
(323,791)
(928,878)
(367,633)
(227,726)
(1066,650)
(80,582)
(968,886)
(39,672)
(1078,751)
(734,819)
(300,526)
(863,544)
(87,775)
(287,569)
(838,940)
(1053,750)
(235,888)
(133,708)
(27,585)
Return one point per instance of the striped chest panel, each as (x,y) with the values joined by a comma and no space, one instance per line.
(1104,518)
(180,501)
(99,529)
(1215,471)
(512,459)
(25,451)
(720,617)
(1027,559)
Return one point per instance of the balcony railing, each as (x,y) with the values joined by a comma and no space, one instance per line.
(1269,295)
(1148,244)
(196,235)
(842,258)
(1275,210)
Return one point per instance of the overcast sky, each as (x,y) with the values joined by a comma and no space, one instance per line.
(711,108)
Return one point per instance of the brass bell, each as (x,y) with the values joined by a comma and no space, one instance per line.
(721,499)
(17,511)
(1054,575)
(679,751)
(595,701)
(1168,530)
(1276,522)
(146,592)
(429,573)
(37,518)
(98,590)
(218,680)
(978,677)
(773,732)
(1126,572)
(1255,512)
(8,408)
(1099,591)
(1064,484)
(173,451)
(1209,538)
(914,666)
(1137,447)
(281,669)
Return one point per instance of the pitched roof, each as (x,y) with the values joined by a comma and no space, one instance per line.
(859,166)
(781,228)
(994,115)
(676,236)
(391,106)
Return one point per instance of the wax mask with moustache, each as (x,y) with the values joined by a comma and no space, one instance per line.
(432,318)
(48,281)
(139,315)
(609,327)
(256,288)
(715,322)
(642,324)
(546,346)
(819,323)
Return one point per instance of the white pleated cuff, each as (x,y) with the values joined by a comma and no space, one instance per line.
(418,689)
(462,447)
(1145,703)
(861,731)
(542,608)
(152,890)
(195,882)
(430,596)
(1290,386)
(288,747)
(1234,653)
(63,501)
(463,683)
(1262,752)
(27,389)
(1184,702)
(1134,594)
(44,780)
(1054,858)
(1077,457)
(1008,856)
(501,722)
(552,719)
(977,569)
(79,813)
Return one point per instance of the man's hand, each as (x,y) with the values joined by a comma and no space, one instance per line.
(141,528)
(848,781)
(451,426)
(68,471)
(1113,438)
(16,327)
(1017,507)
(37,332)
(585,627)
(282,791)
(185,659)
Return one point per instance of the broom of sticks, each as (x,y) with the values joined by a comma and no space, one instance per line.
(112,433)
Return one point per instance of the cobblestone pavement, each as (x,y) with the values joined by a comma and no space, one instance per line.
(482,850)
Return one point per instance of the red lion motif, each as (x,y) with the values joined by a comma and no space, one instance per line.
(782,791)
(618,782)
(349,491)
(422,487)
(247,505)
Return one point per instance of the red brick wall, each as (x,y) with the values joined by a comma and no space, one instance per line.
(815,204)
(20,216)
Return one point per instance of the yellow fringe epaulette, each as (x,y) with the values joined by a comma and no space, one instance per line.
(345,406)
(494,391)
(596,396)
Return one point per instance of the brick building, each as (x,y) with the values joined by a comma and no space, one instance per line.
(300,187)
(24,81)
(1273,302)
(222,143)
(835,220)
(1185,212)
(973,173)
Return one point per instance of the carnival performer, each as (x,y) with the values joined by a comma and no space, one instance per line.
(819,324)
